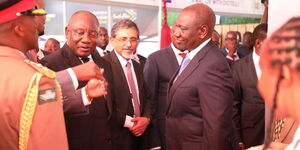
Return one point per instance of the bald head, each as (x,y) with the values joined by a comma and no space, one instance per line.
(203,15)
(193,26)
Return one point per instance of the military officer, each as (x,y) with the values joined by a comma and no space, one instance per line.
(31,112)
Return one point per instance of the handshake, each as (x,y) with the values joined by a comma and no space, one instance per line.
(97,84)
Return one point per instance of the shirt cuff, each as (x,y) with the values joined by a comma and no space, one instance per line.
(155,148)
(128,123)
(73,77)
(84,97)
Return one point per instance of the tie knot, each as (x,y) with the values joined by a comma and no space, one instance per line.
(128,65)
(182,54)
(85,59)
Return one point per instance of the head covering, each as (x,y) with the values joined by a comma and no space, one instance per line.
(12,9)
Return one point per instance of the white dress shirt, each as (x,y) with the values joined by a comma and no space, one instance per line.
(256,58)
(123,62)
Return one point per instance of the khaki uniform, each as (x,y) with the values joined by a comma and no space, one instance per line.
(31,113)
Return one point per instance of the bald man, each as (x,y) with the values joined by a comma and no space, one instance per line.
(200,96)
(90,131)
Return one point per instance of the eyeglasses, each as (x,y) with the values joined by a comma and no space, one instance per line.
(81,33)
(126,39)
(231,39)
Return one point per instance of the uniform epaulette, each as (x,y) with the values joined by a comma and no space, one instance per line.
(40,68)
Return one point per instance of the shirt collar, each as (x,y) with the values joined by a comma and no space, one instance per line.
(122,60)
(193,52)
(255,56)
(176,51)
(235,53)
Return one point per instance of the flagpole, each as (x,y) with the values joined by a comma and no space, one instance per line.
(159,21)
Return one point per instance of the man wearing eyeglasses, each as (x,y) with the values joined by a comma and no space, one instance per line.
(31,114)
(230,50)
(132,108)
(90,131)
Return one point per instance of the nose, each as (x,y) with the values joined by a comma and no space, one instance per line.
(176,32)
(128,44)
(86,38)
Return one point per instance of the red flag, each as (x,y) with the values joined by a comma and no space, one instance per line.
(165,38)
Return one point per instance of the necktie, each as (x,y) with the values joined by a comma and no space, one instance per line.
(183,65)
(133,89)
(33,55)
(85,59)
(182,54)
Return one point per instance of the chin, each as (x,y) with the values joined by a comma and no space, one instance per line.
(127,56)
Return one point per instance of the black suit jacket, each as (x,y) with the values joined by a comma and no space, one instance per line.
(249,107)
(123,139)
(199,106)
(159,69)
(92,130)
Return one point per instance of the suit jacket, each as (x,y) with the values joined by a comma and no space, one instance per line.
(199,106)
(91,130)
(159,69)
(230,62)
(249,106)
(123,139)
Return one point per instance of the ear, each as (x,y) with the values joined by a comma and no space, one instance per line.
(287,76)
(67,32)
(203,31)
(18,29)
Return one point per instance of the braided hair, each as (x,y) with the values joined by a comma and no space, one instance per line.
(282,48)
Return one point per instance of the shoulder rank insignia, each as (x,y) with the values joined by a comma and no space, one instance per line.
(44,70)
(47,95)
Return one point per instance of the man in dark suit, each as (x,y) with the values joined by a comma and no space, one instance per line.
(249,107)
(159,69)
(89,131)
(132,109)
(231,45)
(199,106)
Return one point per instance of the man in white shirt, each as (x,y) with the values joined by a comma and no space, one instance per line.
(102,41)
(132,107)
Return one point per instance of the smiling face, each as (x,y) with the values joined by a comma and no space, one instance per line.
(184,32)
(82,33)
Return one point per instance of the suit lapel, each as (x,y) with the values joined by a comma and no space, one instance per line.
(251,68)
(97,60)
(194,63)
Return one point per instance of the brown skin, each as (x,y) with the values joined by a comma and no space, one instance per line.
(82,33)
(51,45)
(103,38)
(40,20)
(231,43)
(216,39)
(20,34)
(196,19)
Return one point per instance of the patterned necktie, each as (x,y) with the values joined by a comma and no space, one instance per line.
(85,59)
(134,95)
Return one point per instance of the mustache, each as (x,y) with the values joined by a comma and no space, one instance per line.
(130,49)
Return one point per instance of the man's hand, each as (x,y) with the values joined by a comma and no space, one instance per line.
(96,88)
(88,71)
(140,125)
